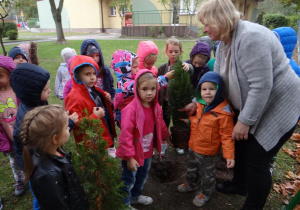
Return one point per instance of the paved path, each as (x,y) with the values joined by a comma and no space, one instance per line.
(97,36)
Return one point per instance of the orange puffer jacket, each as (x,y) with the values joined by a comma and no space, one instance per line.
(211,129)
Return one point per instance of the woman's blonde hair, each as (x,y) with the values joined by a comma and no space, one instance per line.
(37,130)
(220,15)
(173,41)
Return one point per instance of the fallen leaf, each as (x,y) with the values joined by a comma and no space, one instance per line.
(288,151)
(276,188)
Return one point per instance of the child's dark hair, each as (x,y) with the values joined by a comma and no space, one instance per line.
(78,70)
(37,130)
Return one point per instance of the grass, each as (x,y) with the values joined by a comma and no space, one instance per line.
(50,59)
(28,33)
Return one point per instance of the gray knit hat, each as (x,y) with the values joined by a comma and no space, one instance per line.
(67,53)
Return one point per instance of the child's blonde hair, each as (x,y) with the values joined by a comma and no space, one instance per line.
(173,41)
(37,130)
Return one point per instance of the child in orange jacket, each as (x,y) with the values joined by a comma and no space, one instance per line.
(211,127)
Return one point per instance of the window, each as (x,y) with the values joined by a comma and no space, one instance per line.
(113,11)
(187,6)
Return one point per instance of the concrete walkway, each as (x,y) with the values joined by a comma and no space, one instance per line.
(97,36)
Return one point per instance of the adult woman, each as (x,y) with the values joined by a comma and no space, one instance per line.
(263,90)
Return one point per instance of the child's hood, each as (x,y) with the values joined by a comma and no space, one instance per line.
(84,45)
(7,63)
(138,75)
(200,48)
(215,78)
(145,48)
(69,64)
(121,63)
(28,81)
(288,39)
(31,51)
(78,61)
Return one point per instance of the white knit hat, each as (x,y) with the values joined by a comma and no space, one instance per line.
(67,53)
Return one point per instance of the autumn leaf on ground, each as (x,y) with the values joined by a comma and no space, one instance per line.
(295,137)
(288,151)
(276,188)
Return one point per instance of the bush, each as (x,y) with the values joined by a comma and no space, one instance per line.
(259,18)
(31,23)
(12,34)
(274,21)
(293,21)
(9,26)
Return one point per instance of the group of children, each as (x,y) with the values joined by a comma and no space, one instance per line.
(32,132)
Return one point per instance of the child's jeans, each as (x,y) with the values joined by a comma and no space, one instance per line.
(18,173)
(134,180)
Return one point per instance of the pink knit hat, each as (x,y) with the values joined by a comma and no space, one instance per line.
(7,63)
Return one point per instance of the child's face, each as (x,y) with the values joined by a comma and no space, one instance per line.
(208,91)
(46,92)
(147,91)
(199,60)
(149,61)
(88,76)
(65,134)
(95,56)
(19,59)
(134,66)
(173,52)
(4,77)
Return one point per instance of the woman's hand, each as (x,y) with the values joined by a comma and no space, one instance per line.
(190,109)
(230,163)
(74,117)
(108,97)
(132,164)
(240,131)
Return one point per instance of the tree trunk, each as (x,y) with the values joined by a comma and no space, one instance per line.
(56,14)
(1,38)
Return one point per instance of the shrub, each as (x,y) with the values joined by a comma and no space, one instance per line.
(259,18)
(293,21)
(31,23)
(9,26)
(12,34)
(99,174)
(274,21)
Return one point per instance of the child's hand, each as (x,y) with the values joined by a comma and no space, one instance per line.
(74,117)
(132,164)
(169,142)
(169,75)
(230,163)
(190,109)
(99,112)
(185,66)
(185,120)
(108,97)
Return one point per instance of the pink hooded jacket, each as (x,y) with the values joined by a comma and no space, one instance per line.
(146,48)
(69,85)
(132,127)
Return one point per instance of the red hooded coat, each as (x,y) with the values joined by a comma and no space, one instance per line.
(80,99)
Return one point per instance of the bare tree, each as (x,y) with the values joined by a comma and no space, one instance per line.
(174,5)
(4,5)
(56,14)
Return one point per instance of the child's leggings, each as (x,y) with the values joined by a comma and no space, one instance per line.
(17,172)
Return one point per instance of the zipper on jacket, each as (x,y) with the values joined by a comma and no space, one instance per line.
(199,119)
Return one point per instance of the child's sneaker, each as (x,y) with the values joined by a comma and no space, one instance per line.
(144,200)
(200,200)
(111,151)
(1,206)
(19,189)
(163,149)
(180,151)
(185,187)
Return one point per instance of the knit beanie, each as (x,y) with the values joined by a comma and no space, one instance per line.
(7,63)
(67,53)
(90,49)
(16,51)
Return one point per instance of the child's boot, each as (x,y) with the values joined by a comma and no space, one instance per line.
(180,151)
(163,149)
(185,187)
(142,199)
(19,189)
(200,200)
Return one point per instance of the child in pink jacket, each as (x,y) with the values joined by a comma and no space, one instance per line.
(142,129)
(147,52)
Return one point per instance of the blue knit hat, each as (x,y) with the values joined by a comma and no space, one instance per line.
(16,51)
